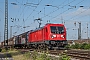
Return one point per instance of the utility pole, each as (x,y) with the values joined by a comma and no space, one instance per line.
(0,36)
(79,31)
(11,31)
(87,31)
(6,24)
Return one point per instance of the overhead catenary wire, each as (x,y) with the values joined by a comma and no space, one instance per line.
(77,15)
(59,5)
(65,10)
(44,15)
(16,20)
(31,13)
(56,9)
(53,11)
(19,16)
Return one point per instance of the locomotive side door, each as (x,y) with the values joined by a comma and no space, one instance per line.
(45,34)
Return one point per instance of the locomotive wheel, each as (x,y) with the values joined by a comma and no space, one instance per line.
(45,47)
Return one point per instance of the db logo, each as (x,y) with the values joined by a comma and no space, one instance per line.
(58,35)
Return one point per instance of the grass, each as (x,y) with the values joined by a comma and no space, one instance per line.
(18,55)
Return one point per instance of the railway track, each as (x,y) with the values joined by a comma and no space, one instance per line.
(77,54)
(54,52)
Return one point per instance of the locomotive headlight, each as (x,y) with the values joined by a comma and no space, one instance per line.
(62,36)
(53,36)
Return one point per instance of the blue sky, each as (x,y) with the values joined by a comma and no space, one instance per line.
(26,11)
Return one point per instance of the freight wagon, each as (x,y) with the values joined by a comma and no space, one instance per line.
(21,40)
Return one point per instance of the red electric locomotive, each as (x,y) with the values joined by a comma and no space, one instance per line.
(50,36)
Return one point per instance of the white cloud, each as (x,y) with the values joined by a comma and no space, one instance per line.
(76,15)
(78,12)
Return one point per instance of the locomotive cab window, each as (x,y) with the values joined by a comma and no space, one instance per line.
(57,30)
(60,30)
(53,29)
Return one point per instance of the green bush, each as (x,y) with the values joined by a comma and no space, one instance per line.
(80,46)
(4,50)
(76,46)
(87,46)
(67,46)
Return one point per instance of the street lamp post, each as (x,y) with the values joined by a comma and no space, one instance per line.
(87,31)
(79,30)
(11,31)
(0,36)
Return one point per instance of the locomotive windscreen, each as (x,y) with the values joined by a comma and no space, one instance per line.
(57,29)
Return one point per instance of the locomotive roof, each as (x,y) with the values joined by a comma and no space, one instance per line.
(37,29)
(44,26)
(53,24)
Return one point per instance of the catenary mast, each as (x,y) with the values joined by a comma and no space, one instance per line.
(6,24)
